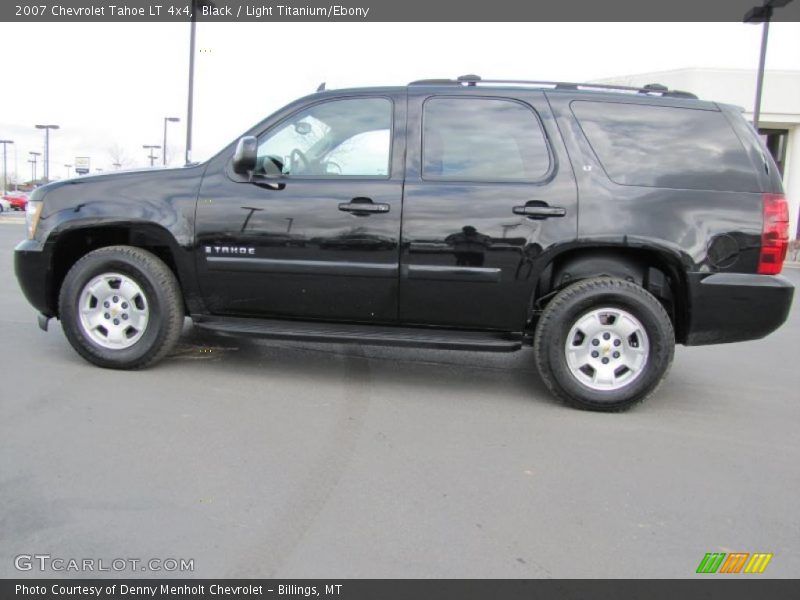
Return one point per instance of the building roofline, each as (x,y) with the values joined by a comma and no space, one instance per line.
(697,70)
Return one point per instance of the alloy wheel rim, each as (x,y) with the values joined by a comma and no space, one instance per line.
(114,311)
(607,349)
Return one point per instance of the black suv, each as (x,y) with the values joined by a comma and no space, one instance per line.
(599,224)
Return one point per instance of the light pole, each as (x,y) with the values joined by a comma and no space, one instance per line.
(164,152)
(762,14)
(151,156)
(47,129)
(35,158)
(69,168)
(190,101)
(5,171)
(196,6)
(33,169)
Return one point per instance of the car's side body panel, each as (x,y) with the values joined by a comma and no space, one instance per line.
(705,230)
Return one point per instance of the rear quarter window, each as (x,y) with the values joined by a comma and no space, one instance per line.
(663,146)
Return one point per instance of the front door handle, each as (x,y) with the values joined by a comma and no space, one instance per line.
(539,211)
(362,207)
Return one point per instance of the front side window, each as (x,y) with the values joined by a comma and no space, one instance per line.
(482,139)
(340,138)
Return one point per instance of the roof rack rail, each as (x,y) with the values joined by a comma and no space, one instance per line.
(651,89)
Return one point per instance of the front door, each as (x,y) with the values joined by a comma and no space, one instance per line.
(489,190)
(320,238)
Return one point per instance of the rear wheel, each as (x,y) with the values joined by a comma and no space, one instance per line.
(603,344)
(120,307)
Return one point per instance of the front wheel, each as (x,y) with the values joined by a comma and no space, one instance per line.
(120,307)
(603,344)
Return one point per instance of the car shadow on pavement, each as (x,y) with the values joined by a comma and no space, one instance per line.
(510,374)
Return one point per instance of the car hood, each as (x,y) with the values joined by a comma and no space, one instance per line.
(136,186)
(161,196)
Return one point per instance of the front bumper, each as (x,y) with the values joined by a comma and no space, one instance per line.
(32,266)
(734,307)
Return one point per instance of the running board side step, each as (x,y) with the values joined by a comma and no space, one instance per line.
(375,335)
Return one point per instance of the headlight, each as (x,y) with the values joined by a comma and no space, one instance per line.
(32,213)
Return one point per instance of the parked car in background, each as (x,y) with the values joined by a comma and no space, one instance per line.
(4,205)
(17,200)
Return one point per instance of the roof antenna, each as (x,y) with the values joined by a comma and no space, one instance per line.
(321,87)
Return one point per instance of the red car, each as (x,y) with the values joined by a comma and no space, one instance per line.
(17,200)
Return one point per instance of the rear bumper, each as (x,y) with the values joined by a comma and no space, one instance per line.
(734,307)
(32,266)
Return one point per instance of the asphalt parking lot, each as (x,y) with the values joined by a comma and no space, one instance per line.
(278,459)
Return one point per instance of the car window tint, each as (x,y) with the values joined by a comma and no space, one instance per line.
(662,146)
(482,139)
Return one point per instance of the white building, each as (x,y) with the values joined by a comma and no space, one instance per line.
(779,122)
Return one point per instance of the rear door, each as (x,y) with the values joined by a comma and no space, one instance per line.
(489,191)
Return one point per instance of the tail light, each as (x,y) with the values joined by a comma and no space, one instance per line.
(774,234)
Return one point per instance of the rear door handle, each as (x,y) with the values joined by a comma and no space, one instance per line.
(362,207)
(540,211)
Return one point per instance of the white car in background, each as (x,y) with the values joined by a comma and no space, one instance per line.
(5,205)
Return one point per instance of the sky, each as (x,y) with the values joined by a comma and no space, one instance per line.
(110,85)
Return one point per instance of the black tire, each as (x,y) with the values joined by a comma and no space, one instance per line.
(164,302)
(574,302)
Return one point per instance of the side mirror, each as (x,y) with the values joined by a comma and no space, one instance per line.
(244,159)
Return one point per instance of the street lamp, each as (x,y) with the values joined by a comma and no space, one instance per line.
(5,172)
(69,167)
(47,129)
(151,156)
(167,120)
(35,156)
(196,7)
(762,14)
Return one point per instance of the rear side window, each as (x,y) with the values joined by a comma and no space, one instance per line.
(662,146)
(482,139)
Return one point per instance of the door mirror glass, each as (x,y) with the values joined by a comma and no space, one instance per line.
(244,159)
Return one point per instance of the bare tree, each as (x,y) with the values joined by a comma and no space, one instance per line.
(13,180)
(118,157)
